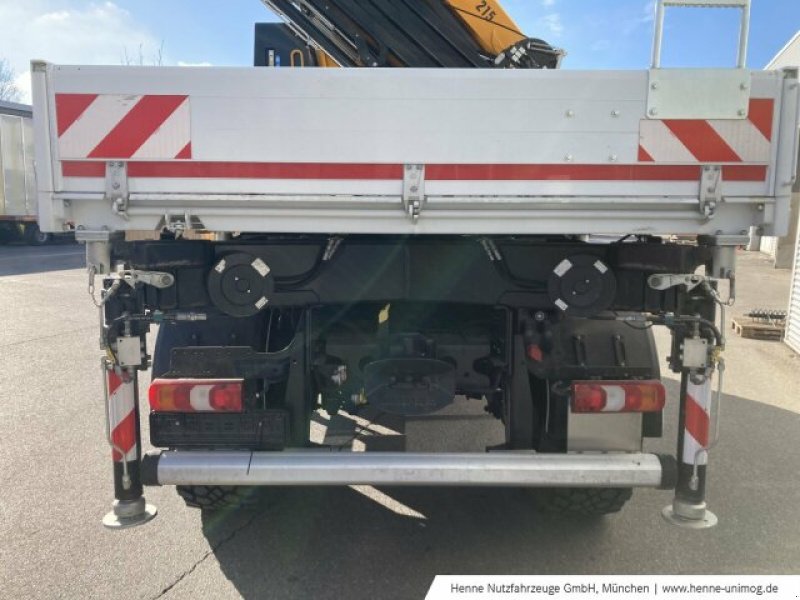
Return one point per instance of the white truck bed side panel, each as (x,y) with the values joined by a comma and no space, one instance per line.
(322,150)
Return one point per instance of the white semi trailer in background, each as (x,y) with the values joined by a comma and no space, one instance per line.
(17,182)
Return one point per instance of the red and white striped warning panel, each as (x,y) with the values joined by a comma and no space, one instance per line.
(122,417)
(114,126)
(710,141)
(698,409)
(153,132)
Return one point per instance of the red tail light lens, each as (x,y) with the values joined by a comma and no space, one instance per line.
(196,395)
(618,396)
(226,397)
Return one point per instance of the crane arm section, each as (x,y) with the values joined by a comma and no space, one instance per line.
(414,33)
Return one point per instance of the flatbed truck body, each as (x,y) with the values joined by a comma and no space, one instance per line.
(313,241)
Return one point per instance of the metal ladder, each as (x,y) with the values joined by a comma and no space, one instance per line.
(744,32)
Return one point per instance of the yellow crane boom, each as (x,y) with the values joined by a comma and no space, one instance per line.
(489,23)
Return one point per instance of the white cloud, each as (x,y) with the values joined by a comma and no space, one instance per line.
(23,83)
(645,17)
(69,32)
(649,11)
(551,23)
(547,3)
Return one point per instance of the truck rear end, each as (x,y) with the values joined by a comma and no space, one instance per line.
(340,240)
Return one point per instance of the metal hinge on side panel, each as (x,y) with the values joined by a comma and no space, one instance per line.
(413,190)
(117,187)
(710,190)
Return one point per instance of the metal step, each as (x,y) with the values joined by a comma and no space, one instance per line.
(332,468)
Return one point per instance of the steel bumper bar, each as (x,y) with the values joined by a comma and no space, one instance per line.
(318,468)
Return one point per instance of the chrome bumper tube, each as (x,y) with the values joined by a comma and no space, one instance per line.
(323,468)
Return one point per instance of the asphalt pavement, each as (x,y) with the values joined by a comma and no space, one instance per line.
(55,484)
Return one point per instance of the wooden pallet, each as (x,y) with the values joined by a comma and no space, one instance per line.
(757,330)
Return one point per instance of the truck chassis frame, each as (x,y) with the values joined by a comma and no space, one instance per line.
(516,293)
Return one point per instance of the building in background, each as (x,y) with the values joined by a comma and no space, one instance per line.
(787,250)
(782,250)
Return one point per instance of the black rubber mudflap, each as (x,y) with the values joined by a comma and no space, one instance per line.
(587,502)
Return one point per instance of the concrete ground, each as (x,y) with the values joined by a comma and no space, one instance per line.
(55,484)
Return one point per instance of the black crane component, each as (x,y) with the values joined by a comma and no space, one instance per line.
(397,33)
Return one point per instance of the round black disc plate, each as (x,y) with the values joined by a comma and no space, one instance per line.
(582,286)
(240,284)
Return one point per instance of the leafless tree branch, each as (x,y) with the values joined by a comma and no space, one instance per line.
(8,90)
(138,59)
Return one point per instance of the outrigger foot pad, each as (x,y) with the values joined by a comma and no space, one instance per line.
(129,513)
(689,516)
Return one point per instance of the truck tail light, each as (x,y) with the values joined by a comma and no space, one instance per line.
(196,395)
(617,396)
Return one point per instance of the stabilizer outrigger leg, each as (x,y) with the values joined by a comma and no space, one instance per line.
(129,508)
(688,508)
(123,341)
(697,345)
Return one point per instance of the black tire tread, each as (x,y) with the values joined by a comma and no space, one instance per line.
(587,502)
(208,497)
(34,236)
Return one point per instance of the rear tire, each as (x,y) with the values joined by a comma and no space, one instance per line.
(214,497)
(585,502)
(35,236)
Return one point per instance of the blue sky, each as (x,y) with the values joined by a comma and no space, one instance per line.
(597,34)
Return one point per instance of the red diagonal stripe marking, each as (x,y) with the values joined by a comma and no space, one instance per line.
(697,421)
(541,172)
(761,115)
(137,126)
(114,382)
(186,152)
(69,107)
(644,155)
(124,435)
(198,169)
(702,141)
(238,170)
(744,173)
